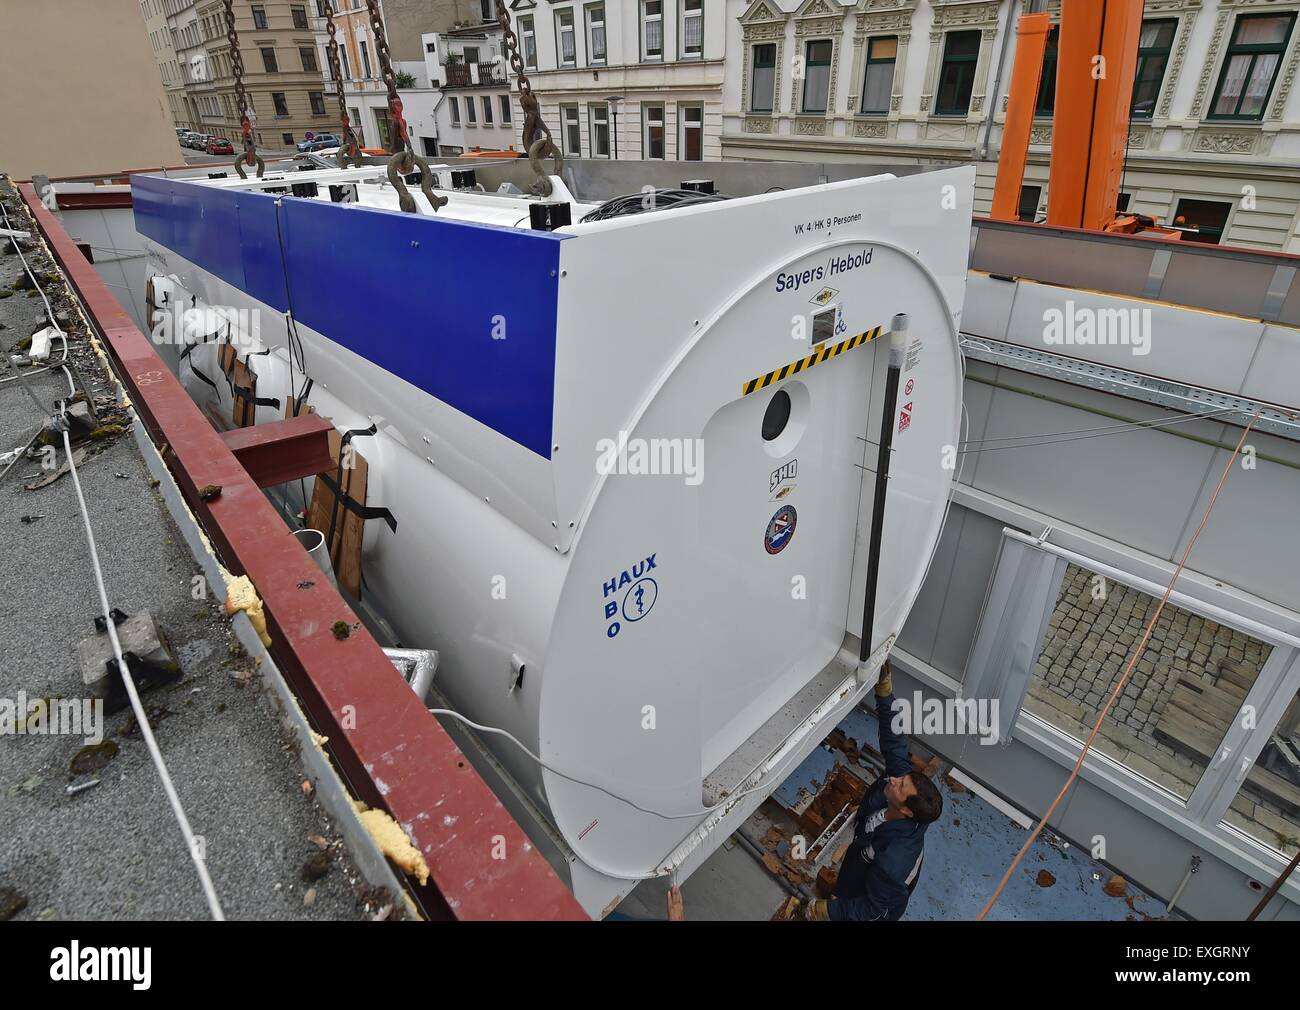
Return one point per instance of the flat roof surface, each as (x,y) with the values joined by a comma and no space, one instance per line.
(114,851)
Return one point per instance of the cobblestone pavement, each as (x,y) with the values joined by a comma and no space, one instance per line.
(1089,638)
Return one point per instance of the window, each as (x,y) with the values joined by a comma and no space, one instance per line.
(692,142)
(652,29)
(1154,43)
(505,108)
(455,111)
(817,75)
(1184,693)
(1267,806)
(430,47)
(354,117)
(1029,197)
(652,141)
(321,10)
(762,92)
(281,106)
(382,126)
(599,126)
(268,60)
(259,16)
(572,130)
(347,70)
(529,36)
(317,102)
(299,17)
(471,114)
(1122,202)
(1046,103)
(487,110)
(692,29)
(1208,218)
(485,10)
(879,80)
(365,59)
(595,33)
(957,76)
(470,54)
(287,138)
(565,53)
(430,147)
(308,57)
(1250,66)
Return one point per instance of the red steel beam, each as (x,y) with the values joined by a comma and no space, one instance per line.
(280,451)
(376,726)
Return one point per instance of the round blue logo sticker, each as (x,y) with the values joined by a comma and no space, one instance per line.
(780,531)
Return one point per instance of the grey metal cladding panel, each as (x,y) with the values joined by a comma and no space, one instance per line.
(1137,487)
(1252,539)
(967,585)
(918,634)
(976,397)
(1219,283)
(1193,347)
(987,310)
(1275,373)
(1290,311)
(1066,260)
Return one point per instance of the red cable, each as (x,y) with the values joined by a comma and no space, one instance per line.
(1074,773)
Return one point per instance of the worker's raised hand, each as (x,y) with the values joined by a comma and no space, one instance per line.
(885,685)
(676,907)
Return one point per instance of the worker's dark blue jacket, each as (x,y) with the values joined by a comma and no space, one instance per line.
(881,869)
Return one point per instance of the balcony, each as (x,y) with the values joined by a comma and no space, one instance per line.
(476,75)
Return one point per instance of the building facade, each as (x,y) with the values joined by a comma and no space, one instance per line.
(282,71)
(476,111)
(365,94)
(1214,142)
(627,79)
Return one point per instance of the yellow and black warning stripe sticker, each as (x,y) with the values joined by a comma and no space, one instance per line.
(822,353)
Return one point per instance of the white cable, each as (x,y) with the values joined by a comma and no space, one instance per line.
(583,782)
(141,719)
(1123,430)
(1123,426)
(49,311)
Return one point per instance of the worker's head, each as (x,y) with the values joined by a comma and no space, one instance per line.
(914,795)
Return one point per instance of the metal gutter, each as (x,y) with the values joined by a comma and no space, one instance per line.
(392,752)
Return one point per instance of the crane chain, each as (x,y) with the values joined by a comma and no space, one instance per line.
(536,136)
(404,158)
(350,148)
(249,156)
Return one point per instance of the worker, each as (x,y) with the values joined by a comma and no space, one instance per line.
(881,869)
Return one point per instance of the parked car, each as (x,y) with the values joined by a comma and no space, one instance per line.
(318,142)
(219,145)
(198,141)
(184,137)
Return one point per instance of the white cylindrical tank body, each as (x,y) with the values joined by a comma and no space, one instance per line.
(638,598)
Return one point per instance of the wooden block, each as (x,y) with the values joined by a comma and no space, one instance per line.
(345,548)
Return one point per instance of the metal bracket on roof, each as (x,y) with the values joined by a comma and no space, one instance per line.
(1134,385)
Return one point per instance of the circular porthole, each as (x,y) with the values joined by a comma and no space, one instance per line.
(785,418)
(777,415)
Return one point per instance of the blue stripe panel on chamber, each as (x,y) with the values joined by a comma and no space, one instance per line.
(227,233)
(465,312)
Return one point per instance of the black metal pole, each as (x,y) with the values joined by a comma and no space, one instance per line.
(897,342)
